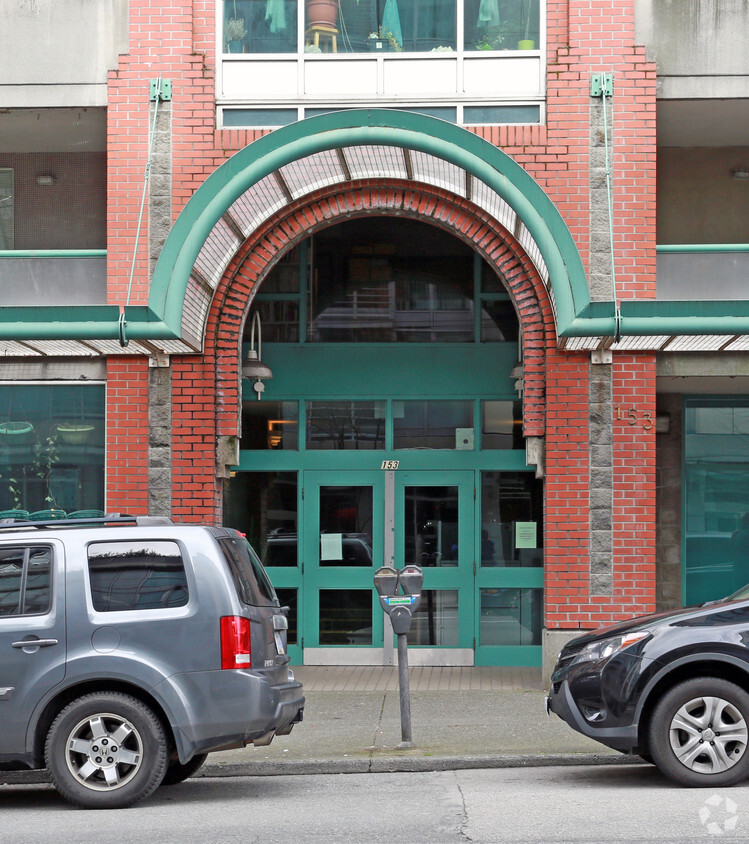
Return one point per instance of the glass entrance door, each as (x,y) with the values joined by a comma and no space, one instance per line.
(434,529)
(342,546)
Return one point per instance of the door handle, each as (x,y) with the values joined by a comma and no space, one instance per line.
(34,643)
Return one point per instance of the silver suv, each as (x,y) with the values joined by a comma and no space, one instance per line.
(130,648)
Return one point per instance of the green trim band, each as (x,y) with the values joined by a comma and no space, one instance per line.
(53,253)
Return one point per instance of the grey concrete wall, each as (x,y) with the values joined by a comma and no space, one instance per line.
(58,52)
(697,43)
(697,199)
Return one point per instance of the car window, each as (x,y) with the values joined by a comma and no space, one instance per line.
(136,575)
(25,580)
(250,579)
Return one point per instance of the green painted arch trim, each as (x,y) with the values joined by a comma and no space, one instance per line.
(374,127)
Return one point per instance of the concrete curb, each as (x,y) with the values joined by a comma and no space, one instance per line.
(372,765)
(409,764)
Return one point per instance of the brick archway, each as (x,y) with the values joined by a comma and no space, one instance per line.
(336,204)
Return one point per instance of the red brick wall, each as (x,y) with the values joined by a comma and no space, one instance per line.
(127,436)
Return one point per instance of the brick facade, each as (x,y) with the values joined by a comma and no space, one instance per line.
(177,42)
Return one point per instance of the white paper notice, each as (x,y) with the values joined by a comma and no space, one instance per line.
(331,546)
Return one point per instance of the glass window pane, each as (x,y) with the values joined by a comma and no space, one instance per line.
(260,26)
(435,623)
(279,322)
(136,575)
(345,616)
(511,519)
(381,26)
(499,322)
(260,117)
(501,24)
(433,424)
(263,506)
(511,616)
(289,598)
(11,577)
(431,526)
(346,525)
(352,425)
(284,277)
(38,581)
(502,424)
(51,449)
(386,280)
(494,115)
(270,425)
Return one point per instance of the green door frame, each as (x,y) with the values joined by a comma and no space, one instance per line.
(316,576)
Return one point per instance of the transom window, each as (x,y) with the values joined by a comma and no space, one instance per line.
(365,26)
(384,280)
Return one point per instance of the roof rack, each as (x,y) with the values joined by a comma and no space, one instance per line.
(108,519)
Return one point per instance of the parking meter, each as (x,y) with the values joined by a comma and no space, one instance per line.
(386,581)
(411,579)
(401,608)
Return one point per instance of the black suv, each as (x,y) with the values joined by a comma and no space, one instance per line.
(671,687)
(132,647)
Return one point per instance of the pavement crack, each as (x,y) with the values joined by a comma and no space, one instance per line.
(463,824)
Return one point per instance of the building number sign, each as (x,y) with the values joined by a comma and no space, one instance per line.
(633,416)
(389,464)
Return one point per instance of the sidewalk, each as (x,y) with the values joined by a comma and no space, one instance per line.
(460,718)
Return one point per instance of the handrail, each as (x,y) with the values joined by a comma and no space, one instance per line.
(53,253)
(665,248)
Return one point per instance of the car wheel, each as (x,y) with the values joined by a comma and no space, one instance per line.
(699,733)
(177,772)
(106,751)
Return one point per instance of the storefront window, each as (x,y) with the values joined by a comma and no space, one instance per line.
(51,450)
(270,425)
(716,513)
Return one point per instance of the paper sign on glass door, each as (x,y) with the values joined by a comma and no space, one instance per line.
(525,535)
(331,546)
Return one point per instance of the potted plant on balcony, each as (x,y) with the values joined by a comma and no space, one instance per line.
(234,34)
(16,433)
(322,13)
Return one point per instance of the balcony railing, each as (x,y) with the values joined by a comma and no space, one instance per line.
(702,271)
(54,277)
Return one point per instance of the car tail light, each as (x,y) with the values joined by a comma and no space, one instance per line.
(235,642)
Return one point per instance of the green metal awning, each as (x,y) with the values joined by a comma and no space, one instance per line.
(335,149)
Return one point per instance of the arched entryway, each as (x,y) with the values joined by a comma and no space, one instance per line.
(335,498)
(392,430)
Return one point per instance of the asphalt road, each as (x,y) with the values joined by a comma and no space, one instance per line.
(580,804)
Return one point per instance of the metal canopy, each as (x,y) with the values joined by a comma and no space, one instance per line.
(335,149)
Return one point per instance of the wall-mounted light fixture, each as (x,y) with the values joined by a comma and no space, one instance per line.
(253,368)
(45,179)
(741,174)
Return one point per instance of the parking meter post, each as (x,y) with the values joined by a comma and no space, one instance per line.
(405,693)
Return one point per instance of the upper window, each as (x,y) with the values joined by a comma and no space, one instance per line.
(137,575)
(358,26)
(25,580)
